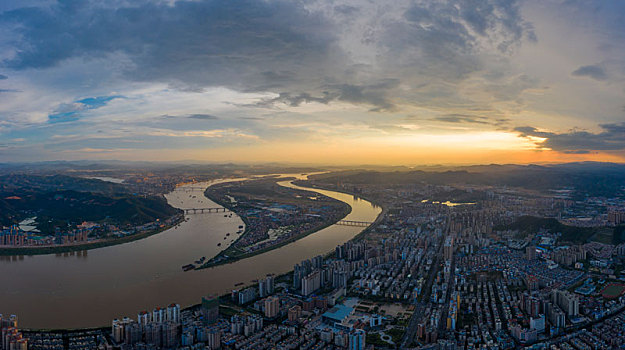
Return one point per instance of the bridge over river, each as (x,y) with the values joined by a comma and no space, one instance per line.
(189,188)
(121,280)
(205,210)
(224,210)
(354,223)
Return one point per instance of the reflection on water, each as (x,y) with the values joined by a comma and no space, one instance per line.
(107,179)
(79,254)
(447,203)
(82,254)
(12,258)
(85,290)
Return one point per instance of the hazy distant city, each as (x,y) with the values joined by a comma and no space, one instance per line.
(312,174)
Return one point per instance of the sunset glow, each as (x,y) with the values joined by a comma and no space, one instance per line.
(312,82)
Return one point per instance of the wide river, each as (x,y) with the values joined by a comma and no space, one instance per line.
(92,288)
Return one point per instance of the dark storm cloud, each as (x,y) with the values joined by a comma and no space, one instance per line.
(374,95)
(263,45)
(441,39)
(593,71)
(611,138)
(203,43)
(295,100)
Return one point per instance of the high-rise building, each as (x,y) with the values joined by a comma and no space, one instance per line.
(270,285)
(210,309)
(247,295)
(567,301)
(265,286)
(311,283)
(295,313)
(153,334)
(12,338)
(272,307)
(21,344)
(173,313)
(341,339)
(187,339)
(7,322)
(297,276)
(214,338)
(326,335)
(557,318)
(317,262)
(538,323)
(448,248)
(357,339)
(616,217)
(117,330)
(530,252)
(132,333)
(170,334)
(143,318)
(158,315)
(339,278)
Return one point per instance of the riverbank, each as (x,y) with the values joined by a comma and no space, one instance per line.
(233,254)
(128,278)
(376,222)
(61,249)
(278,276)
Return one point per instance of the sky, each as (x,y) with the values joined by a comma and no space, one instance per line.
(395,82)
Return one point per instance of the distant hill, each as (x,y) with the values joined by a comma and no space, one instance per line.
(588,178)
(573,234)
(531,224)
(20,183)
(65,201)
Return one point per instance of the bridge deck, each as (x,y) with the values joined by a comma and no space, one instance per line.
(189,189)
(354,223)
(205,210)
(223,210)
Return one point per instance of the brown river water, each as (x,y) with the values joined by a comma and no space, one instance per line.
(91,288)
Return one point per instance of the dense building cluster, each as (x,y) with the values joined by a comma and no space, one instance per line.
(275,214)
(430,274)
(12,338)
(87,232)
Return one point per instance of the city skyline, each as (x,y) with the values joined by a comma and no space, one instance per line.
(327,82)
(312,174)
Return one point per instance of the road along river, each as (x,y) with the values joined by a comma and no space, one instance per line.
(91,288)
